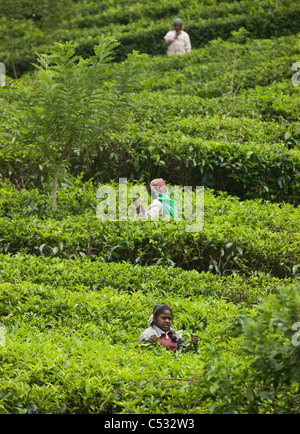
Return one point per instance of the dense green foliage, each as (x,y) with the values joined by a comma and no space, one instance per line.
(91,97)
(72,346)
(236,237)
(137,26)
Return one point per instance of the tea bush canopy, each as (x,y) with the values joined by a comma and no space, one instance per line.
(90,102)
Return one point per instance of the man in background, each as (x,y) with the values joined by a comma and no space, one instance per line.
(178,40)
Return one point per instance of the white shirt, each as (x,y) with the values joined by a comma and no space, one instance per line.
(154,209)
(179,45)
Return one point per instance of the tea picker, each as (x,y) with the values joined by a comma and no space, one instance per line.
(178,40)
(162,205)
(159,329)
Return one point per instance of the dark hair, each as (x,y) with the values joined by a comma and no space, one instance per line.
(159,308)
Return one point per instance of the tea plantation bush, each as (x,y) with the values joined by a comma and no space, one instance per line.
(126,277)
(236,237)
(141,28)
(72,348)
(246,170)
(76,291)
(187,127)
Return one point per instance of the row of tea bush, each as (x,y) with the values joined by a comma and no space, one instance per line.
(146,35)
(227,243)
(125,277)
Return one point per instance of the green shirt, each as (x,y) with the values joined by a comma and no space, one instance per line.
(169,205)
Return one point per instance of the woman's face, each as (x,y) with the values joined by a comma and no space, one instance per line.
(177,27)
(164,320)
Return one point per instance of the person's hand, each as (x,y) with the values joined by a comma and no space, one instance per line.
(153,339)
(136,201)
(195,339)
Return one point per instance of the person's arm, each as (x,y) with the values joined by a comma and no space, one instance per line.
(148,336)
(147,339)
(139,207)
(143,337)
(155,209)
(195,340)
(170,37)
(188,46)
(182,346)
